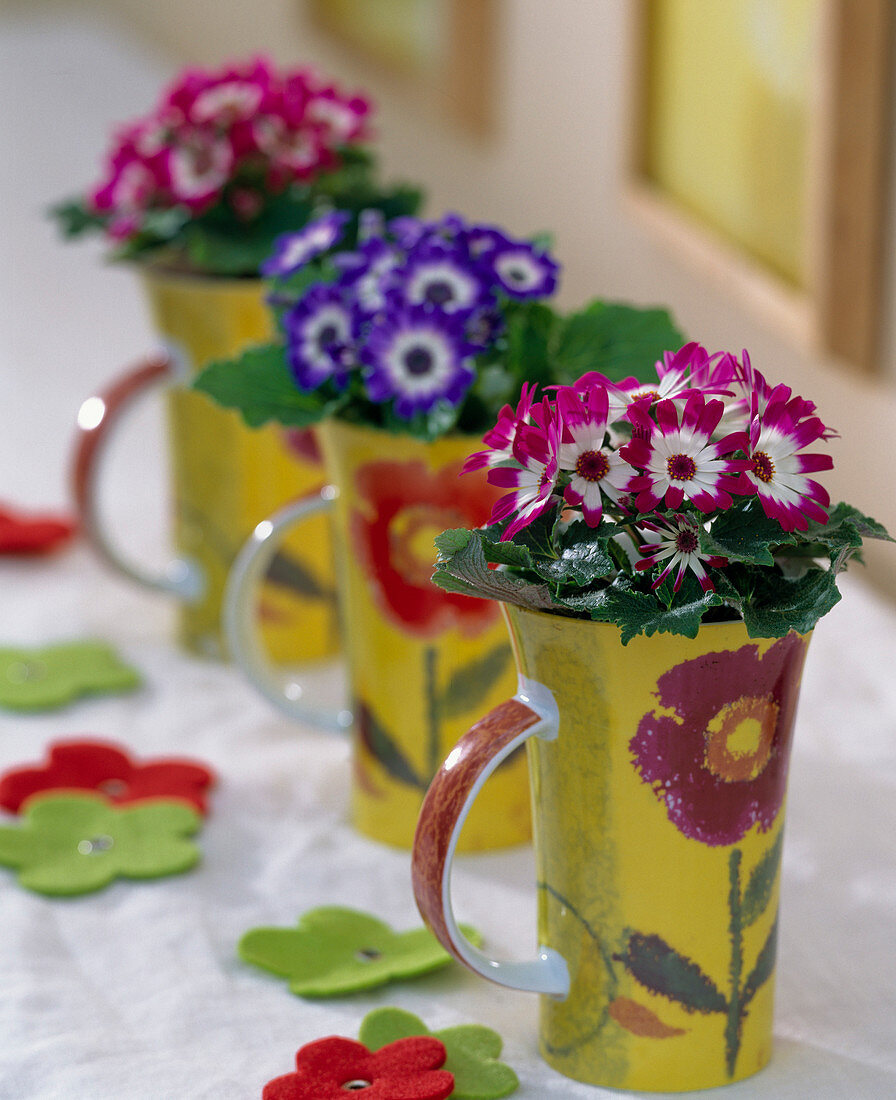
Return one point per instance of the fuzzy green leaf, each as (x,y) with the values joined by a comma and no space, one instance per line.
(779,605)
(529,331)
(467,572)
(259,385)
(745,534)
(584,556)
(616,339)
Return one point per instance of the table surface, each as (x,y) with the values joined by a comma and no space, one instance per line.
(136,992)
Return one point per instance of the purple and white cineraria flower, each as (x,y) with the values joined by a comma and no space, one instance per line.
(319,333)
(418,308)
(416,358)
(294,250)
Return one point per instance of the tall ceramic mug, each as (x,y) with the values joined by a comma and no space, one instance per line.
(225,477)
(421,663)
(658,774)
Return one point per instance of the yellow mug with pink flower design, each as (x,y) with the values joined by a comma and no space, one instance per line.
(658,774)
(421,663)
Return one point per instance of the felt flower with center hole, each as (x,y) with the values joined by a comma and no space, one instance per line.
(334,951)
(107,769)
(32,534)
(471,1051)
(328,1069)
(42,679)
(71,844)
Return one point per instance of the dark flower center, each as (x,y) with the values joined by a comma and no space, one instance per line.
(763,467)
(681,467)
(327,336)
(113,787)
(592,465)
(419,361)
(517,275)
(439,292)
(687,541)
(95,845)
(356,1085)
(367,954)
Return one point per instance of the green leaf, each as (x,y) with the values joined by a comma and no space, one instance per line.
(529,330)
(452,540)
(764,968)
(75,218)
(639,612)
(761,884)
(467,572)
(744,534)
(470,685)
(584,556)
(374,736)
(779,605)
(259,385)
(616,339)
(661,969)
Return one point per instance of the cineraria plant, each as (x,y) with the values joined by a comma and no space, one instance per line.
(421,327)
(660,505)
(226,162)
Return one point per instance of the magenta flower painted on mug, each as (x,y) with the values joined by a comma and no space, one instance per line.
(718,763)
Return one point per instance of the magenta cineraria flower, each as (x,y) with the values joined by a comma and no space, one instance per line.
(294,250)
(533,479)
(679,542)
(500,439)
(678,458)
(596,469)
(319,331)
(417,357)
(778,472)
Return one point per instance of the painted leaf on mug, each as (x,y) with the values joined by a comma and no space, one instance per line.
(287,571)
(640,1020)
(765,966)
(662,969)
(761,884)
(470,685)
(382,746)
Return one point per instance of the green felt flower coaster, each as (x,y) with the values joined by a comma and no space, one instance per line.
(333,951)
(77,843)
(472,1051)
(50,677)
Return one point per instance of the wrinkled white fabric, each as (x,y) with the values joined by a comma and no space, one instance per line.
(136,993)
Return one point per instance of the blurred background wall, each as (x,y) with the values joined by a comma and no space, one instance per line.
(531,126)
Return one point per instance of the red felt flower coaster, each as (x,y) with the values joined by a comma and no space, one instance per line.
(107,769)
(327,1069)
(22,533)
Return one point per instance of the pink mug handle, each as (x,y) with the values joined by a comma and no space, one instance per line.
(98,416)
(532,712)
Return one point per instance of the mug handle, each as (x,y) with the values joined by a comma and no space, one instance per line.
(241,624)
(97,418)
(532,712)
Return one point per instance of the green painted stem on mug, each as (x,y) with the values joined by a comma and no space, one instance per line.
(433,713)
(735,929)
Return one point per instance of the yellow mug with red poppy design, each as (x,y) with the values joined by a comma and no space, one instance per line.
(225,477)
(421,663)
(658,773)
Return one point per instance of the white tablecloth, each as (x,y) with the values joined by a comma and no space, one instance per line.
(136,992)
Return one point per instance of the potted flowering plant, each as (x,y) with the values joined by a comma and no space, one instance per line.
(226,161)
(398,351)
(660,504)
(662,554)
(195,194)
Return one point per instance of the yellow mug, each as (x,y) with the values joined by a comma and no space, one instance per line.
(421,663)
(658,774)
(225,477)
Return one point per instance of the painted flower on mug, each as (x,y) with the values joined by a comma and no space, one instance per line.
(718,757)
(404,507)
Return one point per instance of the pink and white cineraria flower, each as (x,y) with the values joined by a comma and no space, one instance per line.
(679,542)
(500,439)
(534,479)
(596,469)
(776,468)
(679,459)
